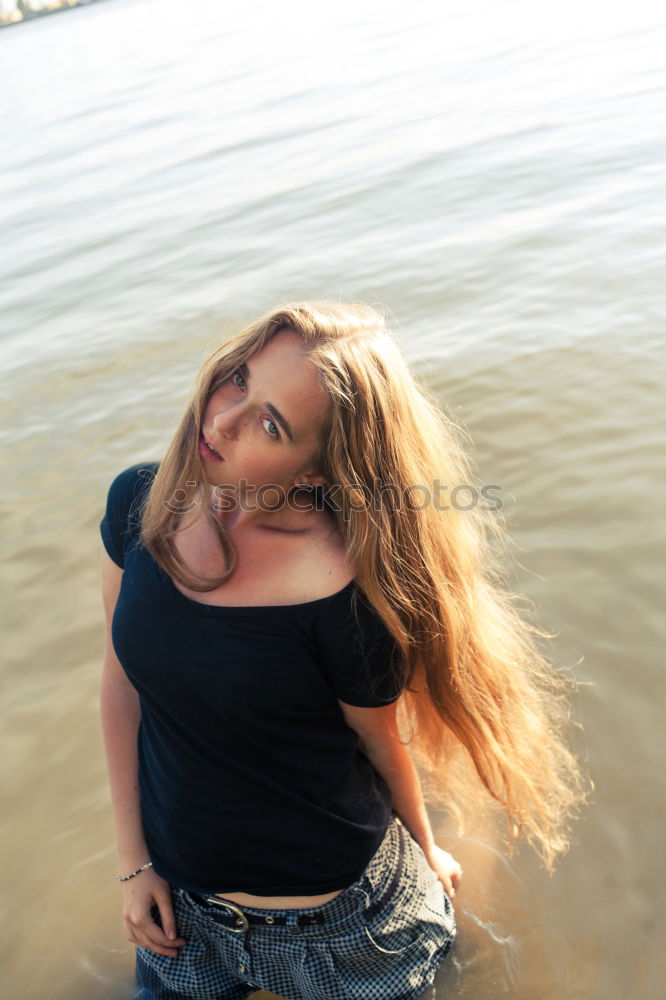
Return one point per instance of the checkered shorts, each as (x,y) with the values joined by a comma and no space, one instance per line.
(382,938)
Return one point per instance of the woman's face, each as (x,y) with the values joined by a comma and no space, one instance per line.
(264,421)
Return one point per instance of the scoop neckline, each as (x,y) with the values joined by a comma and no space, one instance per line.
(221,610)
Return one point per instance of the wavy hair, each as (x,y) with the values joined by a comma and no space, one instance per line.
(487,715)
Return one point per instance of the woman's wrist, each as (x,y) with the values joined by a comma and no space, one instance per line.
(133,874)
(132,858)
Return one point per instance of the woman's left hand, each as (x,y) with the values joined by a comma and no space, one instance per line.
(446,868)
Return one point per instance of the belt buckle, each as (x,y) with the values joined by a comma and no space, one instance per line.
(235,909)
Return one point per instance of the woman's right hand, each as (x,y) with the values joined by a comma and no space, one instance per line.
(140,894)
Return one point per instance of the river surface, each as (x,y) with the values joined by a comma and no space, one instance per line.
(494,175)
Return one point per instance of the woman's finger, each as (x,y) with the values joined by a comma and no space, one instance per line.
(150,935)
(145,932)
(168,920)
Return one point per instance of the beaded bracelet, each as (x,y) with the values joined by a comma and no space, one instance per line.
(124,878)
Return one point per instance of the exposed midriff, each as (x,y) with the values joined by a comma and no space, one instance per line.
(278,902)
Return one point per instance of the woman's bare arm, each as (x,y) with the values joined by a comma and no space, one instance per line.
(378,730)
(121,714)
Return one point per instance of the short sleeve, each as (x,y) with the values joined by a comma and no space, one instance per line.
(358,657)
(119,525)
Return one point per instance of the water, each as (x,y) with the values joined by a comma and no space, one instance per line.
(491,173)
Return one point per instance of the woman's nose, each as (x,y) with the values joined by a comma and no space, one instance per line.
(226,423)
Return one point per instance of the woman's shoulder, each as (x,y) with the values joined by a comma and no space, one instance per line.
(133,481)
(120,524)
(330,569)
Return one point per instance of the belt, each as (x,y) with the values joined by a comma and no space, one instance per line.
(231,915)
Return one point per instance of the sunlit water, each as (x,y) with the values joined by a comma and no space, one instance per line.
(491,173)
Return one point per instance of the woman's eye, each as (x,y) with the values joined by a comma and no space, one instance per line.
(277,434)
(274,433)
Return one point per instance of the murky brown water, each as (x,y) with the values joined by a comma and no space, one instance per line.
(498,185)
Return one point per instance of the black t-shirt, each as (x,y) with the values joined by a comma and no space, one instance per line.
(251,780)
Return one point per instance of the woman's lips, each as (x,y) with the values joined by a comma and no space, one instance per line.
(206,452)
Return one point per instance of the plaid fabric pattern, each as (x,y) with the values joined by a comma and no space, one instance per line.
(383,938)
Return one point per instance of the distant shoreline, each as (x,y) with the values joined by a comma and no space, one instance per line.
(24,12)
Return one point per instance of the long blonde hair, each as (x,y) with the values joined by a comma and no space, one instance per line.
(484,712)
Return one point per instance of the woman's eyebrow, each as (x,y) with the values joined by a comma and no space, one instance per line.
(274,412)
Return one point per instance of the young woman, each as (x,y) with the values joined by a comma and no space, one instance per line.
(296,618)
